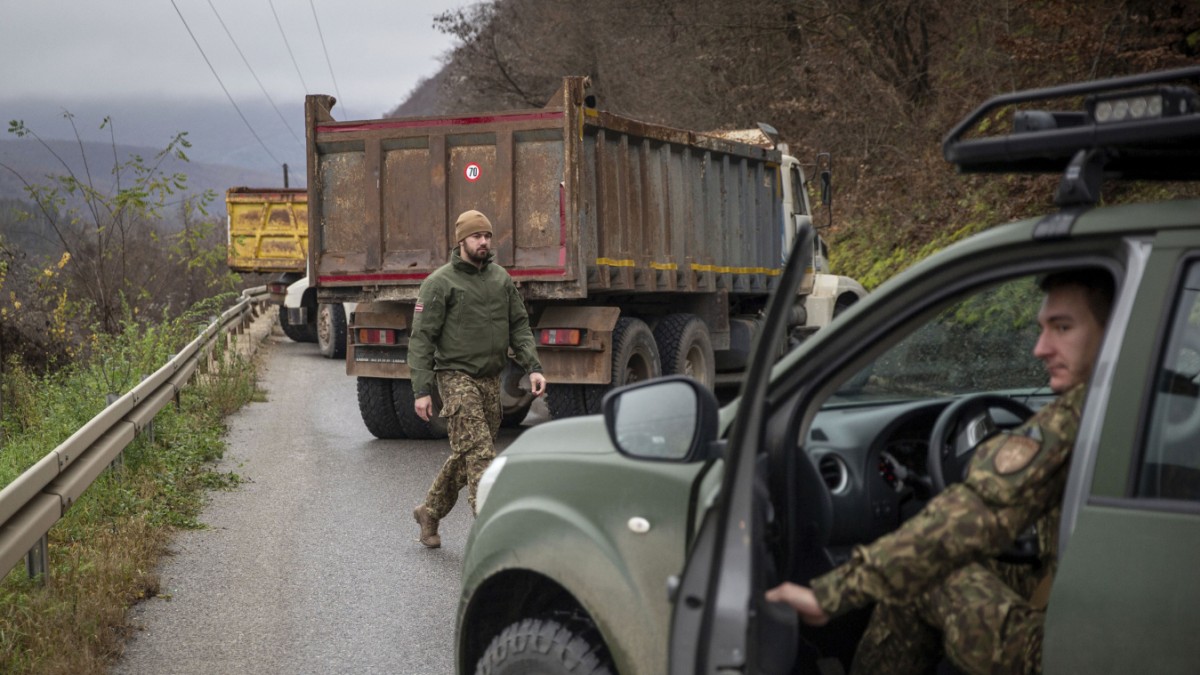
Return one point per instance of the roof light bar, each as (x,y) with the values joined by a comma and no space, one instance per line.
(1140,105)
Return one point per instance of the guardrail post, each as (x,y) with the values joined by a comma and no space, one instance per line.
(37,561)
(119,460)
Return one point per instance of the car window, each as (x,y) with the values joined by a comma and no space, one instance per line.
(984,342)
(1170,466)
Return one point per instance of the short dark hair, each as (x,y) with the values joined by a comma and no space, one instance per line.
(1097,284)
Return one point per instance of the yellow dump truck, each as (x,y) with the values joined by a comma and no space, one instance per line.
(268,233)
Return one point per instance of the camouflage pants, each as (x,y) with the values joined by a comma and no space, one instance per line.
(978,617)
(471,408)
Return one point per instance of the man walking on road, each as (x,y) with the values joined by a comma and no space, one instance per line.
(467,317)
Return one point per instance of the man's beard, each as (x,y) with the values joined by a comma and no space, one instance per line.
(479,255)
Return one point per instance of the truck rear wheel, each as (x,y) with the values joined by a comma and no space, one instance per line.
(567,400)
(376,407)
(406,415)
(686,348)
(546,647)
(511,419)
(634,358)
(331,330)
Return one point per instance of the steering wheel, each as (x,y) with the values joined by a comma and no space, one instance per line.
(947,462)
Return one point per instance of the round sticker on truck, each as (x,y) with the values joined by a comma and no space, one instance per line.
(472,172)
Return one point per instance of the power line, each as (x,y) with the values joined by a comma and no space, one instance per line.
(327,61)
(251,69)
(227,95)
(287,44)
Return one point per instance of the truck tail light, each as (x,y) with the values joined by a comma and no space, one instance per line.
(277,288)
(376,336)
(559,336)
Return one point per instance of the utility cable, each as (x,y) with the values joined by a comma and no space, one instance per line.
(327,61)
(288,45)
(254,74)
(227,94)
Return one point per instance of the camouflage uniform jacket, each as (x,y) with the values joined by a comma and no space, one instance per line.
(1015,480)
(466,318)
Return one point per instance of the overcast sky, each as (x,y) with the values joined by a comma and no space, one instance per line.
(135,60)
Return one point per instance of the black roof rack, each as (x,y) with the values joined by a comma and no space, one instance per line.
(1131,143)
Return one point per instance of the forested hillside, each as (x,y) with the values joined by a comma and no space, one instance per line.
(877,83)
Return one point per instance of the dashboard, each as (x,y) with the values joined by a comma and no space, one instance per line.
(873,459)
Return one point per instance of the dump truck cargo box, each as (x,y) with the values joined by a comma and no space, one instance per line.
(268,229)
(582,202)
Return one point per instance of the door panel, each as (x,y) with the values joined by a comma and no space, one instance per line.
(1126,596)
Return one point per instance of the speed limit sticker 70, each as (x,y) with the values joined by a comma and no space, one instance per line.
(472,172)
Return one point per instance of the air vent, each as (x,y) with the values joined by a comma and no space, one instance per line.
(834,473)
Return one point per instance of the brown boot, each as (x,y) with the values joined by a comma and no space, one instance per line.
(429,536)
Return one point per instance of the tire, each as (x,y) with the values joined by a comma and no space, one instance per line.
(376,407)
(331,330)
(566,400)
(295,333)
(634,358)
(513,418)
(413,426)
(545,647)
(686,348)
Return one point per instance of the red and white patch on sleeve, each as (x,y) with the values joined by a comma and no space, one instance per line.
(419,307)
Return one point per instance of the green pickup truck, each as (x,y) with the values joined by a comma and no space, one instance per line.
(642,541)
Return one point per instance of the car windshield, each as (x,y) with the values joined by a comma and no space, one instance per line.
(982,342)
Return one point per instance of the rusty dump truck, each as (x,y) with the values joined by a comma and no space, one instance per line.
(640,250)
(268,234)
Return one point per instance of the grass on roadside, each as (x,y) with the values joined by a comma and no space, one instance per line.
(104,552)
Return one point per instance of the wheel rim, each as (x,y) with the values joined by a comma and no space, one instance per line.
(323,324)
(638,368)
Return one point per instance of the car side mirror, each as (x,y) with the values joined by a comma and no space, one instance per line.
(668,419)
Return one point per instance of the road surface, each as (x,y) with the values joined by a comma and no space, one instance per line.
(312,564)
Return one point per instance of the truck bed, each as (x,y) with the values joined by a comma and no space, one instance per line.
(583,202)
(268,229)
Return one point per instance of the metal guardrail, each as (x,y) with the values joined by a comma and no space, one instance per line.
(38,498)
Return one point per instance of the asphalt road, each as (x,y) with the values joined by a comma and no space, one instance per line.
(312,564)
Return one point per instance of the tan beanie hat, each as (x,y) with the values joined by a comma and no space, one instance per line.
(469,223)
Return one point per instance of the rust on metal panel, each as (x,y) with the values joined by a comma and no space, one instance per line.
(600,319)
(410,210)
(503,184)
(268,229)
(575,367)
(341,179)
(381,318)
(471,177)
(537,218)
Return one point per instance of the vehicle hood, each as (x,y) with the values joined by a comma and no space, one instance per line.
(569,436)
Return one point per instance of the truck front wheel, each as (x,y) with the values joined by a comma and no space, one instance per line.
(331,330)
(546,647)
(294,332)
(686,348)
(376,407)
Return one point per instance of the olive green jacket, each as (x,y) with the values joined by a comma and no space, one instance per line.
(466,319)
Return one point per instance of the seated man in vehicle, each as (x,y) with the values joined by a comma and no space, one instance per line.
(938,589)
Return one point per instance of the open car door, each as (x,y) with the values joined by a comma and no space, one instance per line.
(721,621)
